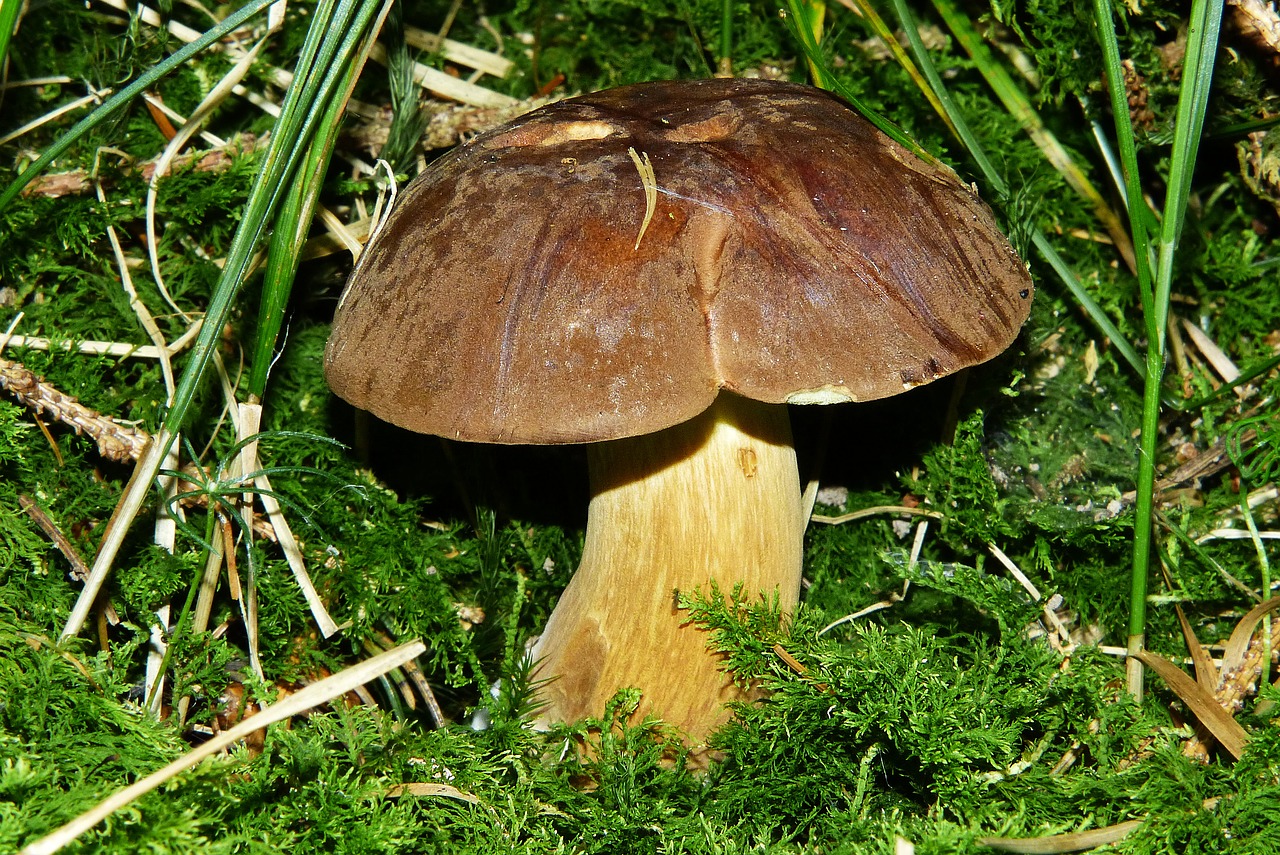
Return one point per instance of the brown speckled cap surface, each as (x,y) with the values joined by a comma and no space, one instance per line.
(603,266)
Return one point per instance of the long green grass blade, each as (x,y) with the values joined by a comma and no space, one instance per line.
(882,32)
(9,10)
(296,214)
(1193,103)
(804,24)
(1155,286)
(942,98)
(1086,301)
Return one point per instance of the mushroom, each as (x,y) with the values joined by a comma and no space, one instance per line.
(658,270)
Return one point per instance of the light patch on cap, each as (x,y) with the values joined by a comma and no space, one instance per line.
(822,395)
(573,131)
(549,133)
(713,129)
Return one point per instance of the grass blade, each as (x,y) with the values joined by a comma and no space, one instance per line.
(955,119)
(882,31)
(1156,286)
(1224,728)
(298,211)
(805,24)
(9,10)
(1086,301)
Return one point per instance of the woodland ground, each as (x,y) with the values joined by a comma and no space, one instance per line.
(967,709)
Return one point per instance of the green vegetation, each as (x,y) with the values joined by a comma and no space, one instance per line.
(1103,456)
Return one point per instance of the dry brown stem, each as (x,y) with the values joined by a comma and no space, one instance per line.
(117,442)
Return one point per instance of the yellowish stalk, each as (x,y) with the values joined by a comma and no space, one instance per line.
(716,498)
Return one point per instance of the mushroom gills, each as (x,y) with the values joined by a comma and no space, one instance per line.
(716,498)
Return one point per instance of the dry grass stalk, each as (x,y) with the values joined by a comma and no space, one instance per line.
(94,97)
(444,85)
(164,164)
(106,348)
(79,570)
(878,509)
(483,61)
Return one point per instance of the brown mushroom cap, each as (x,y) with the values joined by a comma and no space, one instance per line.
(541,285)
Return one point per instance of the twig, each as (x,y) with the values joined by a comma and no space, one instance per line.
(1208,462)
(117,442)
(79,570)
(1073,842)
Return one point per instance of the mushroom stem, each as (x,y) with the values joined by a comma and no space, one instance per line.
(715,498)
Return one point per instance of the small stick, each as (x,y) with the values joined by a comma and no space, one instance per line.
(117,442)
(424,789)
(79,570)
